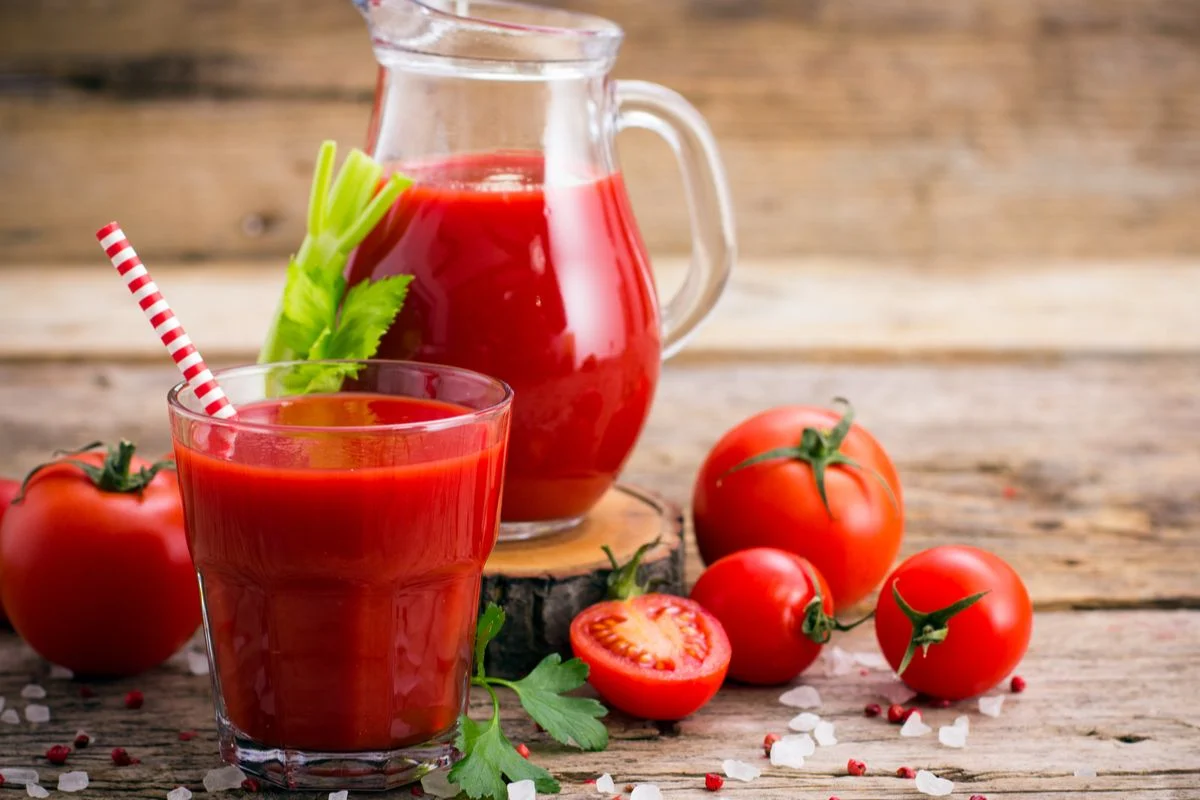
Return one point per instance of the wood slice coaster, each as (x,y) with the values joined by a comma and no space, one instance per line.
(543,583)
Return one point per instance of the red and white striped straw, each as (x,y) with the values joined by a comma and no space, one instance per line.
(165,323)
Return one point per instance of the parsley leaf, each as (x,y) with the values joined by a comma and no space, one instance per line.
(488,755)
(570,720)
(490,622)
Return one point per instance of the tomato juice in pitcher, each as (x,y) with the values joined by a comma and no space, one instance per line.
(527,261)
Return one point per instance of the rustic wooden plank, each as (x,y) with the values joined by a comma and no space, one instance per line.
(1098,454)
(974,130)
(1122,710)
(795,307)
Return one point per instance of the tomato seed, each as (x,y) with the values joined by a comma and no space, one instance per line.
(872,710)
(187,736)
(906,772)
(418,791)
(856,767)
(250,784)
(523,750)
(896,713)
(768,740)
(134,699)
(1017,684)
(978,797)
(713,782)
(82,740)
(120,757)
(57,755)
(937,702)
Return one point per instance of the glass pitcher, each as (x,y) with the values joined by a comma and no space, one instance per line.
(528,264)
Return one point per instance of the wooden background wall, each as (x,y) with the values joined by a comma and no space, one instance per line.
(932,131)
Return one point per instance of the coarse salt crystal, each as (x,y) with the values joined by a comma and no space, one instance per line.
(804,722)
(1085,772)
(342,795)
(871,660)
(896,693)
(824,734)
(836,661)
(437,784)
(961,721)
(990,706)
(35,790)
(19,775)
(32,691)
(928,783)
(197,663)
(60,673)
(224,778)
(801,697)
(952,736)
(37,713)
(605,785)
(790,751)
(645,791)
(180,793)
(72,781)
(740,770)
(10,716)
(522,790)
(914,725)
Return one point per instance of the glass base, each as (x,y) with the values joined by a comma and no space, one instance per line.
(523,531)
(331,771)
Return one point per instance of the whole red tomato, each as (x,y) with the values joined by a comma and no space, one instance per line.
(8,490)
(953,621)
(775,608)
(804,480)
(94,566)
(654,656)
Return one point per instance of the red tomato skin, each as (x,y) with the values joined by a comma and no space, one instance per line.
(985,642)
(759,596)
(8,490)
(101,583)
(645,692)
(776,504)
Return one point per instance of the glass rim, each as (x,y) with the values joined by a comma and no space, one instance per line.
(592,25)
(175,404)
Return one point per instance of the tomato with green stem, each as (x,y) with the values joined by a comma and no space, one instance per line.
(776,609)
(810,481)
(94,567)
(652,655)
(953,621)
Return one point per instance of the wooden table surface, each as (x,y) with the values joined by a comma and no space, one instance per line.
(1077,460)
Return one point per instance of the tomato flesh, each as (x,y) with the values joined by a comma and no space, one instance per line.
(654,656)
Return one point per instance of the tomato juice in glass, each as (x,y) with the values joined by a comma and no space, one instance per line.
(339,541)
(544,284)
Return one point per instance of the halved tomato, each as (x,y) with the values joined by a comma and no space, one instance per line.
(655,656)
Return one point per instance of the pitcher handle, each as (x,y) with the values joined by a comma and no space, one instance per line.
(714,247)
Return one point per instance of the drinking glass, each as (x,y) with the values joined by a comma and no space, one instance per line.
(339,539)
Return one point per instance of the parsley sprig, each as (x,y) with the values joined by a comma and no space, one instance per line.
(318,318)
(489,757)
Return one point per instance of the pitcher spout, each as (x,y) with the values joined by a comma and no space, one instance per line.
(512,36)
